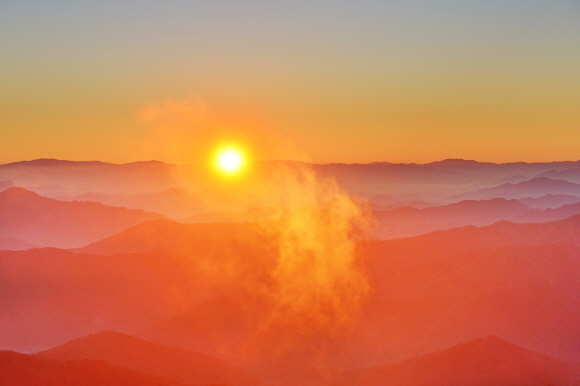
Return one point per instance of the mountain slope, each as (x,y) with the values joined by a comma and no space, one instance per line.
(536,187)
(501,233)
(48,222)
(175,203)
(408,221)
(13,244)
(50,296)
(572,175)
(562,212)
(164,234)
(122,350)
(429,292)
(200,288)
(518,281)
(77,177)
(549,201)
(25,370)
(389,201)
(483,361)
(241,216)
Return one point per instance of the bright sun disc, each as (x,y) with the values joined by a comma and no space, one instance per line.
(230,160)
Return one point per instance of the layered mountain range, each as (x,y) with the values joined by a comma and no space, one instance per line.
(113,358)
(464,273)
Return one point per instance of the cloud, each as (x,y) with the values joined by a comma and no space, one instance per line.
(188,130)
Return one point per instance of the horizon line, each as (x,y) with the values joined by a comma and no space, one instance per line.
(448,160)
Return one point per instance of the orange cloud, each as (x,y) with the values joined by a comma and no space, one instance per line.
(188,130)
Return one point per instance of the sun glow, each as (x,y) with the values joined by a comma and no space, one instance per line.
(230,160)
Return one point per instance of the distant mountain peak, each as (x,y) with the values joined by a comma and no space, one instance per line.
(489,341)
(539,181)
(176,364)
(456,161)
(54,162)
(104,338)
(19,192)
(49,222)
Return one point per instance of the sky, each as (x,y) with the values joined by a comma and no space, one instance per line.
(320,81)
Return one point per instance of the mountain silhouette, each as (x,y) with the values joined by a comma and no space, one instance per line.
(24,370)
(164,234)
(409,221)
(197,287)
(386,200)
(176,364)
(52,223)
(174,203)
(348,174)
(572,175)
(237,216)
(549,201)
(514,280)
(106,181)
(517,280)
(14,244)
(501,233)
(545,215)
(490,172)
(77,177)
(483,361)
(50,296)
(536,187)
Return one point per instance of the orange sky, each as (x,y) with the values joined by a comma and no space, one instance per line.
(324,82)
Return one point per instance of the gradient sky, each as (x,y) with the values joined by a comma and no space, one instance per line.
(325,81)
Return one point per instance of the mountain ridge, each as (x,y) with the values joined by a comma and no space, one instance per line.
(117,349)
(482,361)
(52,223)
(18,369)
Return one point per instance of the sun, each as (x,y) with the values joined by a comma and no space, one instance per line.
(230,160)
